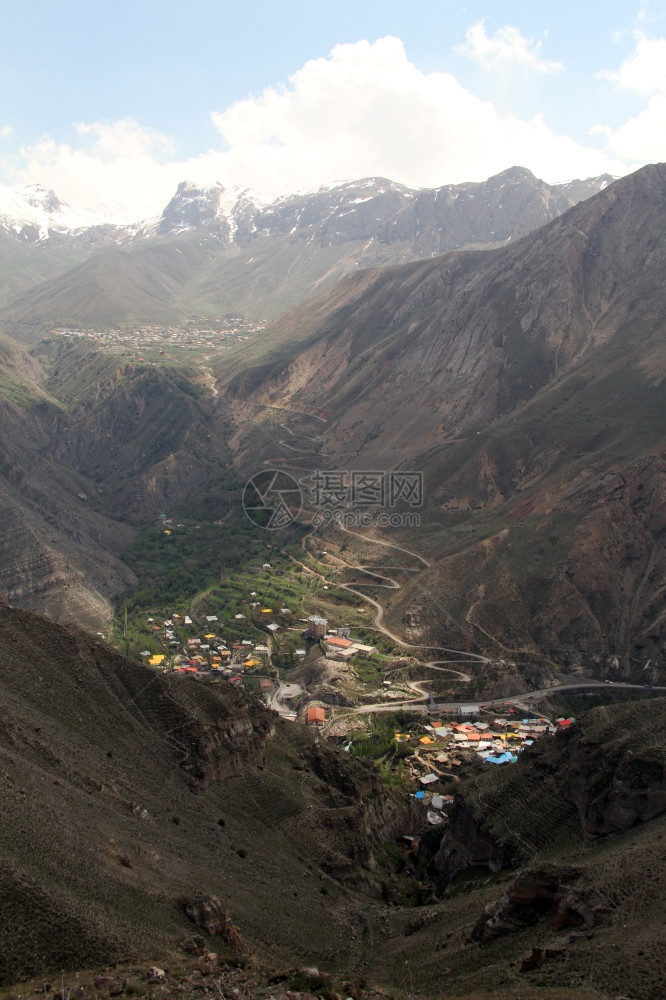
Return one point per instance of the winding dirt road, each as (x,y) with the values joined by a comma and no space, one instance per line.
(420,703)
(463,656)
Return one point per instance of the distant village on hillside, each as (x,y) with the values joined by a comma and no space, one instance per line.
(211,335)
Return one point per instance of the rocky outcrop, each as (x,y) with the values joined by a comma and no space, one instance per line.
(212,915)
(227,745)
(616,776)
(535,893)
(191,207)
(209,913)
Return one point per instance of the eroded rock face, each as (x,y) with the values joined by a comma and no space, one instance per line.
(356,815)
(212,915)
(534,894)
(613,798)
(221,729)
(223,749)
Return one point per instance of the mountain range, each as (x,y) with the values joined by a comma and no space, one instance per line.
(517,364)
(216,252)
(526,384)
(523,381)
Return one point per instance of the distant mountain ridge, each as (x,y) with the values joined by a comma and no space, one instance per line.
(193,206)
(215,250)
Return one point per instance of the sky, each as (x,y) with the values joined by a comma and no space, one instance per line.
(113,104)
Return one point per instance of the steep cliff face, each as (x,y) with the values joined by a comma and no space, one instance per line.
(427,221)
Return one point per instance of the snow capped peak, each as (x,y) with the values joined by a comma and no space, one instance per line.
(40,197)
(37,206)
(193,205)
(370,186)
(225,199)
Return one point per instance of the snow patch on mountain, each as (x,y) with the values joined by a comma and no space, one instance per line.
(193,206)
(38,207)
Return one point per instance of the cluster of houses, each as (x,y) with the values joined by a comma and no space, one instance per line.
(205,652)
(444,748)
(234,330)
(209,651)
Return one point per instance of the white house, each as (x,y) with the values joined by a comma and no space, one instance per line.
(468,710)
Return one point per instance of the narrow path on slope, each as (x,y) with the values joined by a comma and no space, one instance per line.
(209,379)
(466,656)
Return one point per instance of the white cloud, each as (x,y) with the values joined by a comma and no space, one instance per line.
(367,110)
(643,137)
(364,110)
(644,72)
(6,131)
(506,49)
(118,171)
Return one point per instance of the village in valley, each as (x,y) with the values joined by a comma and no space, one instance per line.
(332,670)
(156,342)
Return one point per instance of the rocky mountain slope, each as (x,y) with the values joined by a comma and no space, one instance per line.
(594,781)
(146,818)
(128,796)
(526,383)
(217,252)
(58,548)
(86,452)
